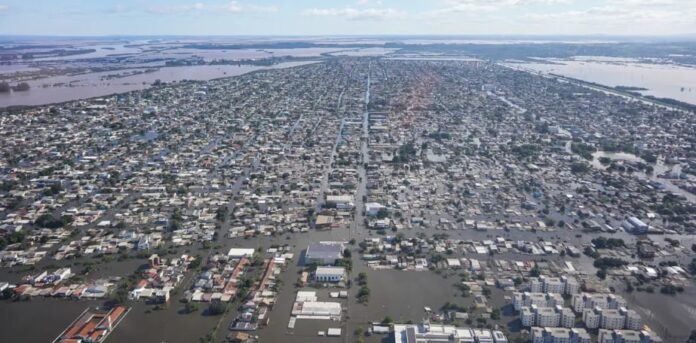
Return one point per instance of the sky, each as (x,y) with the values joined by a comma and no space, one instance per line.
(347,17)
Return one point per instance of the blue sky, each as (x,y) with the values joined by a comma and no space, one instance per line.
(333,17)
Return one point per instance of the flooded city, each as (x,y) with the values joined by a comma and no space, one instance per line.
(358,172)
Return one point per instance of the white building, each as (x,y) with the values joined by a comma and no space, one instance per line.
(633,319)
(583,301)
(547,316)
(592,318)
(528,299)
(627,336)
(612,320)
(426,332)
(329,274)
(373,208)
(559,335)
(341,202)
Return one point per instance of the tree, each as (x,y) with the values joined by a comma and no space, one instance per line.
(22,87)
(387,320)
(363,294)
(692,337)
(4,87)
(190,307)
(495,315)
(362,279)
(217,308)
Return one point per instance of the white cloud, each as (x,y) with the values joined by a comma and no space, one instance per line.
(4,8)
(357,14)
(230,7)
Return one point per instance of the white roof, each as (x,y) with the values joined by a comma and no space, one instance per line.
(240,252)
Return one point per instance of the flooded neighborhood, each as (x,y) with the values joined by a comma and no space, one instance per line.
(400,189)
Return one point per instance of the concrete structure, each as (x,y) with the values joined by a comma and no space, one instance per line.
(612,320)
(627,336)
(597,300)
(426,333)
(341,202)
(329,274)
(547,316)
(592,318)
(373,208)
(559,335)
(528,299)
(633,320)
(240,252)
(563,285)
(324,252)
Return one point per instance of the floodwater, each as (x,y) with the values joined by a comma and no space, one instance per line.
(401,295)
(660,80)
(67,88)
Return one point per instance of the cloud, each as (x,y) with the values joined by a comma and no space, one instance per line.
(357,14)
(613,15)
(230,7)
(4,8)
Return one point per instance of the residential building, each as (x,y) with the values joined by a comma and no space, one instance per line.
(559,335)
(528,299)
(627,336)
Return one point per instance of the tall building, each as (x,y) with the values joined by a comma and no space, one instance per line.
(633,319)
(559,335)
(528,299)
(547,316)
(572,286)
(612,320)
(592,318)
(582,301)
(562,285)
(554,285)
(627,336)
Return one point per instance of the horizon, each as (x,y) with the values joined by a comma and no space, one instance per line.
(77,18)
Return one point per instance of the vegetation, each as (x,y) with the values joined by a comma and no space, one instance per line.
(362,279)
(363,295)
(525,151)
(608,243)
(190,307)
(22,87)
(671,289)
(609,262)
(448,306)
(579,167)
(216,308)
(51,222)
(582,149)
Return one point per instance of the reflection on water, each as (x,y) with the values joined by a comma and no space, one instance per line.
(661,80)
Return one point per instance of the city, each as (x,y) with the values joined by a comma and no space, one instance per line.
(372,192)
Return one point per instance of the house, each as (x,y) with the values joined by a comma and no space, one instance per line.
(329,274)
(372,209)
(324,253)
(341,202)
